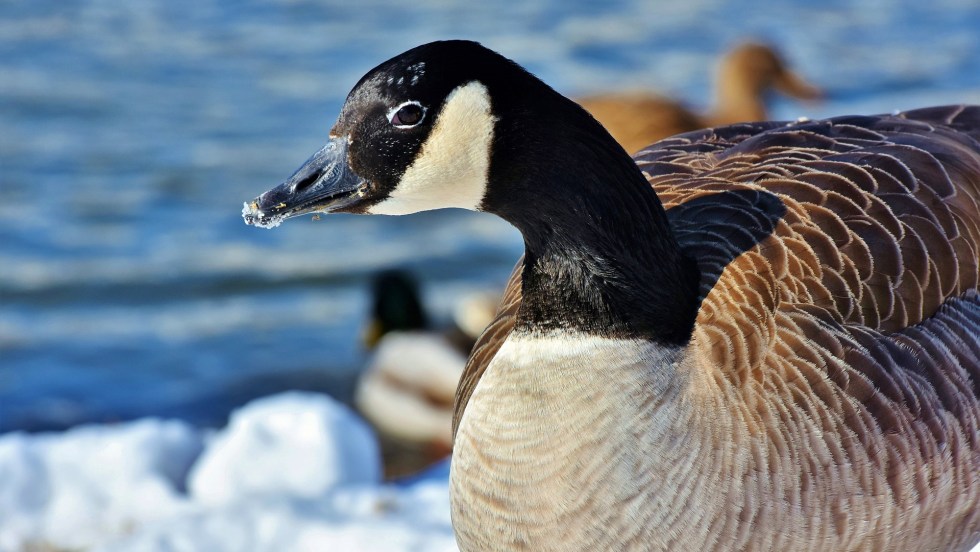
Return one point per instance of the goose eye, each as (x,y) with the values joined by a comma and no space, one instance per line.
(408,114)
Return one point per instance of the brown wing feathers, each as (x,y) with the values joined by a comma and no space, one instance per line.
(857,320)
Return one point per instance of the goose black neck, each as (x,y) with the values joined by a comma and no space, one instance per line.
(600,257)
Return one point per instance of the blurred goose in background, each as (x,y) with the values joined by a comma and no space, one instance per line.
(407,387)
(764,336)
(745,76)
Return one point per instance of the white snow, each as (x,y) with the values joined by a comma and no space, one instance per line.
(71,490)
(296,471)
(365,519)
(296,444)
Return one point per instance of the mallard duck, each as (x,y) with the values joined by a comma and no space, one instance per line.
(745,75)
(763,336)
(407,386)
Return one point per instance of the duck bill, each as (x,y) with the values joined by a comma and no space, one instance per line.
(793,85)
(324,184)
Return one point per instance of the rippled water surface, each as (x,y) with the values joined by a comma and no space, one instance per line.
(131,133)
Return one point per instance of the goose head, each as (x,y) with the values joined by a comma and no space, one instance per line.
(455,125)
(447,124)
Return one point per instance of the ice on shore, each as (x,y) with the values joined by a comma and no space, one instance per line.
(296,471)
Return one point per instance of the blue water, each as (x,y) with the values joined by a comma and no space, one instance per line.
(131,133)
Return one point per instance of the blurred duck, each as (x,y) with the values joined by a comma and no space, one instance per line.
(745,75)
(407,388)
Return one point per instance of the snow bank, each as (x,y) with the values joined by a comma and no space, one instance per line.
(72,490)
(296,444)
(295,471)
(367,519)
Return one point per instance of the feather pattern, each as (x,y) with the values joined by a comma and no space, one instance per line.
(839,324)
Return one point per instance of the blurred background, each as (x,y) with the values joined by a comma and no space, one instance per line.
(132,132)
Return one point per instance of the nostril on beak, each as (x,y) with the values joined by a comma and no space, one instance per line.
(306,182)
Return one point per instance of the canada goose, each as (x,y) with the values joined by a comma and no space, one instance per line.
(745,75)
(768,339)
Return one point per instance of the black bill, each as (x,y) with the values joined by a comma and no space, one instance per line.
(324,183)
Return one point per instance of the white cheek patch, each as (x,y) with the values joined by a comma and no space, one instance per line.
(451,168)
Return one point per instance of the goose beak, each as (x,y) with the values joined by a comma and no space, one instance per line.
(325,183)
